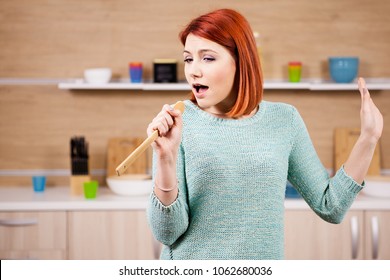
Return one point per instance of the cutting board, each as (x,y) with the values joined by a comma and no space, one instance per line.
(118,150)
(344,140)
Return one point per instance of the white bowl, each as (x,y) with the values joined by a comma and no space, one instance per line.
(377,187)
(130,184)
(98,75)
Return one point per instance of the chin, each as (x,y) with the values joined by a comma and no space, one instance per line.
(203,104)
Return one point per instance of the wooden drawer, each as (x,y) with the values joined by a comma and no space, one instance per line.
(33,235)
(110,235)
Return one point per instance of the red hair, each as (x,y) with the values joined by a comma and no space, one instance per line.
(231,30)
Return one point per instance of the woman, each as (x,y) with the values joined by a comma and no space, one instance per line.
(220,169)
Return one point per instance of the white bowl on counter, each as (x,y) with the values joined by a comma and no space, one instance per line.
(377,186)
(97,75)
(130,184)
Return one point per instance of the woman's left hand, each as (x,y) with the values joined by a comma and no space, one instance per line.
(370,116)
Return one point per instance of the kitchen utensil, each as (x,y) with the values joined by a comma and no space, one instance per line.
(130,184)
(148,141)
(79,155)
(343,69)
(119,148)
(344,140)
(79,164)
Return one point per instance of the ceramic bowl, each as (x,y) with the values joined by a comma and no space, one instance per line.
(98,75)
(343,69)
(377,186)
(130,184)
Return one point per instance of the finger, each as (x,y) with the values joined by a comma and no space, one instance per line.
(363,88)
(361,84)
(162,129)
(169,119)
(167,108)
(171,114)
(171,110)
(364,93)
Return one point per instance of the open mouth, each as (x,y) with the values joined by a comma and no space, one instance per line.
(200,88)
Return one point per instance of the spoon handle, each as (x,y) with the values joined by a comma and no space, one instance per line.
(144,145)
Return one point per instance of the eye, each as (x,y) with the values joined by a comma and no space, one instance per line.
(208,58)
(187,60)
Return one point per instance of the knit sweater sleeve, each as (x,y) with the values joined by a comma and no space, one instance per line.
(169,222)
(330,198)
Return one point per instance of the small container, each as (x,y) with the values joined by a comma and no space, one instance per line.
(135,72)
(294,71)
(39,183)
(90,189)
(165,71)
(97,75)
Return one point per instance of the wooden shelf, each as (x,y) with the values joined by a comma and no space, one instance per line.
(309,84)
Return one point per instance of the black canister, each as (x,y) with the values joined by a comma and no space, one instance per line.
(165,71)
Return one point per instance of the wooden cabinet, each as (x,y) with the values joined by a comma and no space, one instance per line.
(377,235)
(33,235)
(361,235)
(76,235)
(110,235)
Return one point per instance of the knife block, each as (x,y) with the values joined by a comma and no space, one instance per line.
(77,184)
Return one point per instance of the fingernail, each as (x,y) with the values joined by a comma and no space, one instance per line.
(365,91)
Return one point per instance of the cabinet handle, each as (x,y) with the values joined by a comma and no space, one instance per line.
(375,237)
(18,223)
(355,236)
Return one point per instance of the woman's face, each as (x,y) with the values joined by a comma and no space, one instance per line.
(210,69)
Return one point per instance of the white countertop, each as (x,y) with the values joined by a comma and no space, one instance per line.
(59,198)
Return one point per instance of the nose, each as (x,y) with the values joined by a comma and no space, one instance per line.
(195,70)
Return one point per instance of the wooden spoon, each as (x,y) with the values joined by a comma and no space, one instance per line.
(142,148)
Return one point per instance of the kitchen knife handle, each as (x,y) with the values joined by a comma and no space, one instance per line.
(141,148)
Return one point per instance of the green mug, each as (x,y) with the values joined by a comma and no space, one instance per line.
(90,189)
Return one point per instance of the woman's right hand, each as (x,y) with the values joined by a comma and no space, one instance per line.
(169,124)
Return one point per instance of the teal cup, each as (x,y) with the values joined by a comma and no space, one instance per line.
(39,183)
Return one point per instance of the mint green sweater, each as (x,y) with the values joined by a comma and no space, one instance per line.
(232,178)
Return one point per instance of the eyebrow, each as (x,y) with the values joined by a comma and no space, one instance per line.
(201,51)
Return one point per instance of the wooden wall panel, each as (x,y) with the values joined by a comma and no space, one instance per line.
(37,122)
(59,39)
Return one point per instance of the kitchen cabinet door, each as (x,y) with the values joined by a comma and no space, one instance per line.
(307,236)
(33,235)
(109,235)
(377,235)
